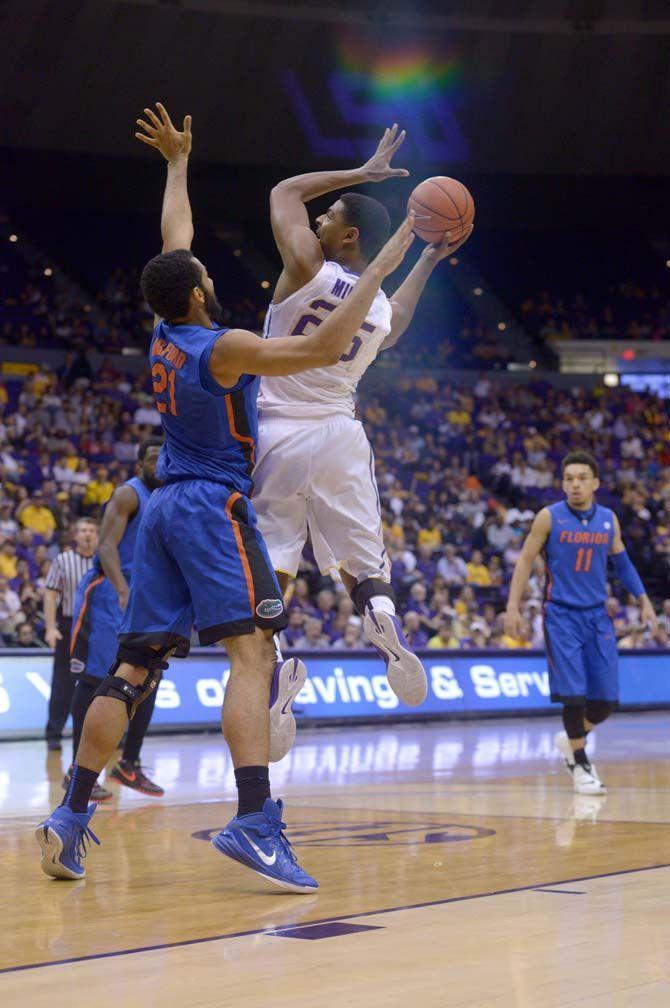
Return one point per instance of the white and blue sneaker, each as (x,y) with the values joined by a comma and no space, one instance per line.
(258,842)
(287,681)
(62,838)
(404,671)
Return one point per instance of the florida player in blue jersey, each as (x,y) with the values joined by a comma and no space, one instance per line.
(578,537)
(199,558)
(102,595)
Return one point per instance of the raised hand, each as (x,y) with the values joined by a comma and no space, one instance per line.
(440,250)
(396,247)
(378,167)
(160,133)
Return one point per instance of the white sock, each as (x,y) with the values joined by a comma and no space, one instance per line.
(278,655)
(382,603)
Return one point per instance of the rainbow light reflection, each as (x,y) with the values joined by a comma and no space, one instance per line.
(407,69)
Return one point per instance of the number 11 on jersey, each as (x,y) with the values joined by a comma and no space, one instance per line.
(583,561)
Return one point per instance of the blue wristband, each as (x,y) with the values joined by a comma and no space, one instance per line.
(629,577)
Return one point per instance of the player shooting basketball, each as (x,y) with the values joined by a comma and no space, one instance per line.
(315,468)
(577,536)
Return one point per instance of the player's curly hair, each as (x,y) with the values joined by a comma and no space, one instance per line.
(150,442)
(372,220)
(581,458)
(167,281)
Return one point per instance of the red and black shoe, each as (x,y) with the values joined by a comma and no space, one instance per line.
(133,776)
(98,794)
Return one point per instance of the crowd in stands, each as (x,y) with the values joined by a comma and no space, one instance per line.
(40,313)
(461,473)
(42,307)
(630,311)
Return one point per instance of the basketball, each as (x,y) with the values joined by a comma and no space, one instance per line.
(441,204)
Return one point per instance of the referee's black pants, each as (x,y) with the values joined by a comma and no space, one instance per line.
(62,682)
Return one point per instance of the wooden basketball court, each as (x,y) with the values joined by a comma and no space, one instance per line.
(456,866)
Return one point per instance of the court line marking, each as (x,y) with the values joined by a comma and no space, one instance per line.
(325,920)
(565,892)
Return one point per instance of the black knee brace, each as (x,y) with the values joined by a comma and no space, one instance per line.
(597,711)
(367,589)
(573,720)
(120,689)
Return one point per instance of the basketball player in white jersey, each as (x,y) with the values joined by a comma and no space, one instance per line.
(314,469)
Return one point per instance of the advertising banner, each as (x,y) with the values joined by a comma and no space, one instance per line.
(340,686)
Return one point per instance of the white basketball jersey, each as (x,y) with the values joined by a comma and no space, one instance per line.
(322,392)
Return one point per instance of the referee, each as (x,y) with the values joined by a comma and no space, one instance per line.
(65,573)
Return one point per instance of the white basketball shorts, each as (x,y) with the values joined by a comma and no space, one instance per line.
(317,477)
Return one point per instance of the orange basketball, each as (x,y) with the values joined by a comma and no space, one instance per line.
(441,204)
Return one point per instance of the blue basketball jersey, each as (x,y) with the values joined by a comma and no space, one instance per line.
(576,554)
(210,432)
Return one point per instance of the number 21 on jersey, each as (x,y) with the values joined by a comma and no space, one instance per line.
(164,379)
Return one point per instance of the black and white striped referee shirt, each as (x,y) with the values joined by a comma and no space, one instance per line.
(64,575)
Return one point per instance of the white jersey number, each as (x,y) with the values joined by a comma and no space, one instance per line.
(311,318)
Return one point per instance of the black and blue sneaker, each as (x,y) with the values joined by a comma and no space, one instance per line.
(258,842)
(62,838)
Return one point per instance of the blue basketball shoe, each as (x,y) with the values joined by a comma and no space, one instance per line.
(404,670)
(258,842)
(287,681)
(62,838)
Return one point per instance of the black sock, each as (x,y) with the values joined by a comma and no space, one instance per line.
(137,728)
(78,794)
(81,701)
(253,787)
(581,757)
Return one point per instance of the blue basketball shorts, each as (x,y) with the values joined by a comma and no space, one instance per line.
(95,626)
(199,561)
(581,654)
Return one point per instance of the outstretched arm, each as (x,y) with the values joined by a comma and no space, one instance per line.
(406,298)
(534,544)
(238,352)
(297,243)
(630,578)
(175,146)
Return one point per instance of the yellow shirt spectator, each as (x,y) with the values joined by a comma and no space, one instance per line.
(7,565)
(478,574)
(429,537)
(459,417)
(98,491)
(438,642)
(37,518)
(514,643)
